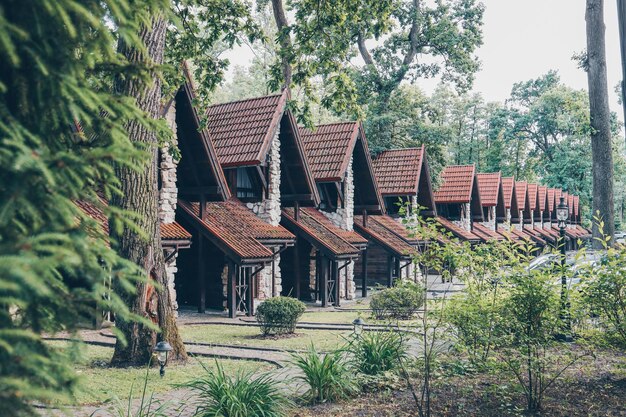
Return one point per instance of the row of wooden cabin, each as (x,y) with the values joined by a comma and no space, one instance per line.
(258,207)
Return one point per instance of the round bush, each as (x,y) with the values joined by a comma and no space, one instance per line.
(400,302)
(279,315)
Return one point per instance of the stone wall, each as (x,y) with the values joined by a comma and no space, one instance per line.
(168,194)
(465,222)
(490,222)
(343,217)
(507,224)
(269,208)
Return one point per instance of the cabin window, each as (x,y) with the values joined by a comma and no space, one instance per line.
(450,211)
(329,196)
(393,204)
(247,188)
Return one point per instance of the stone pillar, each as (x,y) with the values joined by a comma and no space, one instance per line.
(168,195)
(343,218)
(466,218)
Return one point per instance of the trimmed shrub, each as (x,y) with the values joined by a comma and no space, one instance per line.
(374,353)
(400,302)
(244,395)
(328,376)
(279,315)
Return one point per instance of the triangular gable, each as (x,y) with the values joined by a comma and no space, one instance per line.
(457,184)
(476,205)
(510,197)
(577,209)
(242,132)
(542,202)
(533,195)
(492,193)
(404,172)
(198,172)
(521,192)
(551,199)
(329,149)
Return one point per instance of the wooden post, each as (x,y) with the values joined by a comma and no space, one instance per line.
(334,270)
(298,276)
(323,280)
(389,271)
(232,290)
(250,293)
(201,277)
(364,275)
(398,270)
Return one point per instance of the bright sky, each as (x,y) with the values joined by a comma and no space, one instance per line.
(523,39)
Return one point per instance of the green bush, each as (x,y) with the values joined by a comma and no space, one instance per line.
(279,315)
(244,395)
(375,353)
(400,302)
(327,375)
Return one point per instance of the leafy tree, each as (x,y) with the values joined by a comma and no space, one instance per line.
(61,129)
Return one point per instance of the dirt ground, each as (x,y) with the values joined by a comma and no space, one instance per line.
(593,387)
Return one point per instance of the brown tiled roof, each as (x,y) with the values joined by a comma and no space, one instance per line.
(231,226)
(397,227)
(576,205)
(398,171)
(536,236)
(96,213)
(242,130)
(384,236)
(321,231)
(508,235)
(551,199)
(489,186)
(532,196)
(520,193)
(485,233)
(507,190)
(174,231)
(543,193)
(349,236)
(544,234)
(329,149)
(456,184)
(457,231)
(584,233)
(522,235)
(570,204)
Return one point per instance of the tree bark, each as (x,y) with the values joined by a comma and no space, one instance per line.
(285,40)
(621,19)
(140,195)
(600,121)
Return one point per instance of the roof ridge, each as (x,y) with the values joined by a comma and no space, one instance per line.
(245,99)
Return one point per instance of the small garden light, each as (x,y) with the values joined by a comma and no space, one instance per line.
(358,324)
(162,350)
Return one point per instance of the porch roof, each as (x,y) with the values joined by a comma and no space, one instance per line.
(485,233)
(379,231)
(457,231)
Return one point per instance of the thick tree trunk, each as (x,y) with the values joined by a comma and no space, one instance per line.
(621,19)
(140,195)
(285,41)
(600,121)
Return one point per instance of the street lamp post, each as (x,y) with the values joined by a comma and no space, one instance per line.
(562,213)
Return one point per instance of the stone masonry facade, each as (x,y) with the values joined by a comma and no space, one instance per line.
(168,194)
(465,220)
(343,217)
(490,221)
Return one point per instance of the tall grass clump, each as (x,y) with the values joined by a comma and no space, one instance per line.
(243,395)
(327,375)
(374,353)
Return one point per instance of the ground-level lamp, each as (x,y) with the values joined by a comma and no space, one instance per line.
(562,213)
(162,350)
(358,324)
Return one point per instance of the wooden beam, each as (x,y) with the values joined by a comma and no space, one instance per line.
(296,197)
(389,271)
(297,272)
(324,280)
(207,190)
(334,271)
(250,294)
(262,178)
(367,207)
(201,278)
(364,275)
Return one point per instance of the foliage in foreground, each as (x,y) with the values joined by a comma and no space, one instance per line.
(327,375)
(399,302)
(279,315)
(57,63)
(376,352)
(244,395)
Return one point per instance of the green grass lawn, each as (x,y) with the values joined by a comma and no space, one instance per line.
(251,336)
(100,383)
